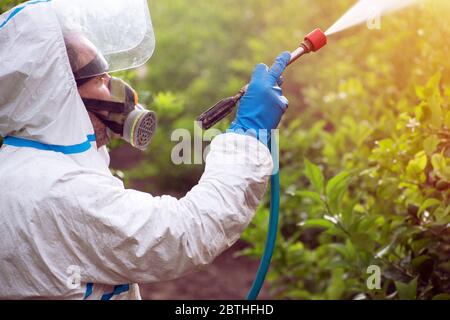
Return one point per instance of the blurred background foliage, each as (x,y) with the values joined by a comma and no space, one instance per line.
(365,146)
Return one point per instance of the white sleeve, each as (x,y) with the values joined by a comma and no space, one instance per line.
(124,235)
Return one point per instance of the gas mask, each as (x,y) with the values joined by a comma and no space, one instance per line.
(126,117)
(119,35)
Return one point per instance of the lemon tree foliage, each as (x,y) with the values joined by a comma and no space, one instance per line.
(364,146)
(365,160)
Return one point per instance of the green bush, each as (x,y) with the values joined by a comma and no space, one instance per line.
(374,119)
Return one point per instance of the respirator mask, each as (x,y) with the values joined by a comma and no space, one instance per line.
(120,36)
(125,118)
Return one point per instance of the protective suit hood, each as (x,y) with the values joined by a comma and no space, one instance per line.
(39,102)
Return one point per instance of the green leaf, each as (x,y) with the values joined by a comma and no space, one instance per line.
(337,285)
(421,160)
(407,291)
(442,216)
(438,162)
(430,88)
(420,92)
(429,203)
(418,245)
(299,294)
(416,166)
(442,170)
(442,296)
(337,182)
(314,174)
(336,187)
(434,104)
(435,80)
(310,195)
(317,223)
(430,144)
(417,262)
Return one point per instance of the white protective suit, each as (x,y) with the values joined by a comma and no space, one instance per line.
(61,210)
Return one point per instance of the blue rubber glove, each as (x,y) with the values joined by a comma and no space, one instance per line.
(263,104)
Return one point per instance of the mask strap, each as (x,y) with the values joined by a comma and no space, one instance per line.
(114,126)
(102,105)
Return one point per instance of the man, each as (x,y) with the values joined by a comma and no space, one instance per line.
(68,228)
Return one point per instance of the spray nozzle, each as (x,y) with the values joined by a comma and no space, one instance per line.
(316,40)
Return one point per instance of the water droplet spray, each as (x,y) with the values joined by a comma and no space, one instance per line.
(367,11)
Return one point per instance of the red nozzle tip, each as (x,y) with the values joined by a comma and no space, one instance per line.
(317,38)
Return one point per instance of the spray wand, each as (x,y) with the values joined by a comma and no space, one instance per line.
(312,43)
